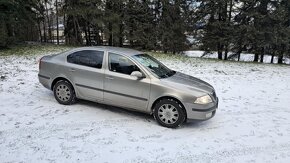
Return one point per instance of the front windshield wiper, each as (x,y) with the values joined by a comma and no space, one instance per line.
(170,73)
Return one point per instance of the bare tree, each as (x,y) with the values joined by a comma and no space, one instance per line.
(57,22)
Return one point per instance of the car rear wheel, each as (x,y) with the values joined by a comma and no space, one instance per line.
(64,92)
(169,113)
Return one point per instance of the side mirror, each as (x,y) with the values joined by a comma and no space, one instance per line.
(137,74)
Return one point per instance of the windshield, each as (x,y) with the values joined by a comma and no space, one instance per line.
(156,67)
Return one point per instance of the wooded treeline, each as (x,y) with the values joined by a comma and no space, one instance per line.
(229,27)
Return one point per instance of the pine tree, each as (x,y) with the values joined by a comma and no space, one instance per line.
(3,32)
(218,29)
(281,29)
(139,24)
(172,27)
(243,33)
(263,28)
(17,18)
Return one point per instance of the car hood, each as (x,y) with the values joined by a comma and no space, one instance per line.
(181,81)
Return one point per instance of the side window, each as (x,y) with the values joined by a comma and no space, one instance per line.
(121,64)
(90,58)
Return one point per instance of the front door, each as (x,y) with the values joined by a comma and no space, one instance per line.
(122,89)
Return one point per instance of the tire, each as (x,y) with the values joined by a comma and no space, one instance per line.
(169,113)
(64,92)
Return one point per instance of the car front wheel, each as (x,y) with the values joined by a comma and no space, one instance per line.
(169,113)
(64,92)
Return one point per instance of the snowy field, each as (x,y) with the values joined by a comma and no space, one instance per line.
(252,123)
(246,57)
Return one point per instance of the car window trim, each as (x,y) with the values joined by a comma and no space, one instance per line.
(108,65)
(86,65)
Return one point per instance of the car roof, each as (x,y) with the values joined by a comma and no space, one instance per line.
(118,50)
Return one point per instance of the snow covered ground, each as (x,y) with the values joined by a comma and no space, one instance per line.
(252,123)
(246,57)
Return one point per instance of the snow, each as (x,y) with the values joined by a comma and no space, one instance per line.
(246,57)
(252,123)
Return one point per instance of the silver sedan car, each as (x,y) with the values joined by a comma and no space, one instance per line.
(129,79)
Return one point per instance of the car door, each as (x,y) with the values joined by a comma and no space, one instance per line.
(85,69)
(122,89)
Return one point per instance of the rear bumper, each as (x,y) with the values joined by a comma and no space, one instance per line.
(201,112)
(44,80)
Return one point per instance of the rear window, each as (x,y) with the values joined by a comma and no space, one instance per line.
(90,58)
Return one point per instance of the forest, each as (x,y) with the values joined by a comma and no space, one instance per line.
(261,27)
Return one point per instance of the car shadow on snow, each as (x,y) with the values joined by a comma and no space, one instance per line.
(143,116)
(138,115)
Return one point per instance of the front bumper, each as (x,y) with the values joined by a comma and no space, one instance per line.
(201,112)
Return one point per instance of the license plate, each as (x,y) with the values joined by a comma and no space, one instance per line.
(208,115)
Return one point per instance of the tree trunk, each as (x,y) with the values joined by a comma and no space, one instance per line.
(64,26)
(272,58)
(32,32)
(97,34)
(131,36)
(39,30)
(44,30)
(48,21)
(89,33)
(280,58)
(121,35)
(220,54)
(239,52)
(262,58)
(220,51)
(230,11)
(121,25)
(109,7)
(219,44)
(156,17)
(229,24)
(51,30)
(57,23)
(101,37)
(226,53)
(26,35)
(86,35)
(110,34)
(256,57)
(9,28)
(75,30)
(262,54)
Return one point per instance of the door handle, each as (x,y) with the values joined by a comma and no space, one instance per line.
(72,70)
(109,77)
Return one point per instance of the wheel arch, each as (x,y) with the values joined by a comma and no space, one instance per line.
(169,97)
(58,79)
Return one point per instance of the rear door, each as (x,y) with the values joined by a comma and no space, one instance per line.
(122,89)
(85,69)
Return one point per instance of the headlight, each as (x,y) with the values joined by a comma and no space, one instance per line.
(203,100)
